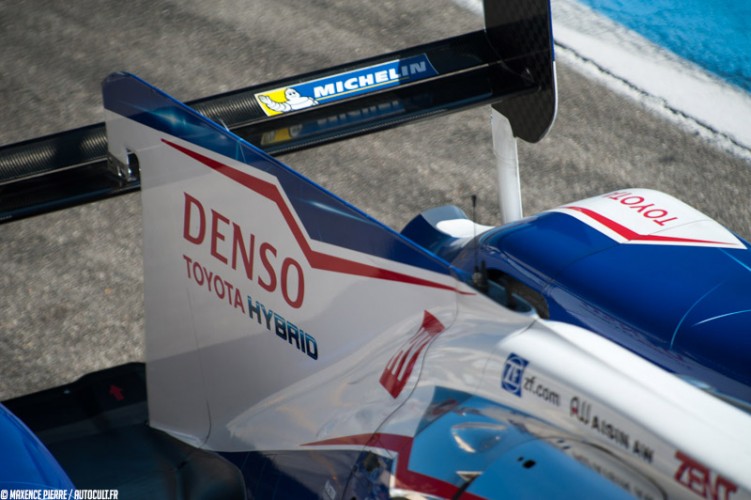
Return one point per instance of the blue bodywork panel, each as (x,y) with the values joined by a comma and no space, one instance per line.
(686,308)
(25,463)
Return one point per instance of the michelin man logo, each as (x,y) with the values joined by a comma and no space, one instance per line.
(292,101)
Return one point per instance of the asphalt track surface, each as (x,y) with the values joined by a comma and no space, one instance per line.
(72,295)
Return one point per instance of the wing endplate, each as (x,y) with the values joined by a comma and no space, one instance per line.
(255,278)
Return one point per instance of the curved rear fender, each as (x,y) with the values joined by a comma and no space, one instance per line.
(444,230)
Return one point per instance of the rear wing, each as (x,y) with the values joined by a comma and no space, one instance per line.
(508,65)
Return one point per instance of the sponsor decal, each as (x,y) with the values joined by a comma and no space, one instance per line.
(532,386)
(644,216)
(400,366)
(237,250)
(513,374)
(226,291)
(514,381)
(343,85)
(314,258)
(234,247)
(223,289)
(701,480)
(643,207)
(332,123)
(581,410)
(282,328)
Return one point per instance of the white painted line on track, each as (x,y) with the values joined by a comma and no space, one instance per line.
(668,85)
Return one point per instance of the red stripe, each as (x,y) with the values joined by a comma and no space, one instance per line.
(390,378)
(317,260)
(404,478)
(630,235)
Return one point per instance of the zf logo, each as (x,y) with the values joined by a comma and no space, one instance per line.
(513,374)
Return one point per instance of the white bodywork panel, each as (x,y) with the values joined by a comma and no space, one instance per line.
(381,345)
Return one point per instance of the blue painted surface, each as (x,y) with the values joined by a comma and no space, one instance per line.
(715,34)
(686,308)
(25,464)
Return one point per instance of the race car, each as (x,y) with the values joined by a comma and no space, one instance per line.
(298,348)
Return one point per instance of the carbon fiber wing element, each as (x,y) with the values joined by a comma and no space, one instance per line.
(508,65)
